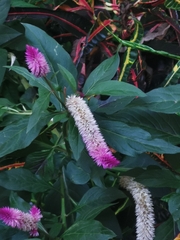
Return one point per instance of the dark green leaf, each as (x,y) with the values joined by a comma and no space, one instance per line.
(88,229)
(4,6)
(54,54)
(159,125)
(76,174)
(7,33)
(133,140)
(3,61)
(95,200)
(33,81)
(18,202)
(113,104)
(174,206)
(115,88)
(75,139)
(21,3)
(69,78)
(14,136)
(22,179)
(165,231)
(39,107)
(104,72)
(165,100)
(158,178)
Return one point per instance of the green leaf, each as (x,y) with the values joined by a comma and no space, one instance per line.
(165,100)
(88,229)
(165,231)
(33,81)
(133,140)
(104,72)
(22,179)
(14,136)
(115,88)
(21,3)
(54,53)
(174,206)
(173,4)
(18,202)
(113,104)
(69,77)
(158,178)
(39,107)
(3,61)
(74,139)
(95,200)
(159,125)
(76,174)
(7,33)
(4,6)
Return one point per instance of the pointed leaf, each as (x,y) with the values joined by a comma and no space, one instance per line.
(133,140)
(4,6)
(95,200)
(54,53)
(14,136)
(22,179)
(75,140)
(7,33)
(165,100)
(3,61)
(159,125)
(88,229)
(158,178)
(165,231)
(115,88)
(39,107)
(104,72)
(69,77)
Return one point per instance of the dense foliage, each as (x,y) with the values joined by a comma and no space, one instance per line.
(122,58)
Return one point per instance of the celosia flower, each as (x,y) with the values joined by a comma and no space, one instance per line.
(36,62)
(90,132)
(23,221)
(145,219)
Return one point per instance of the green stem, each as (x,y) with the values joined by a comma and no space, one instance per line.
(121,208)
(54,91)
(63,212)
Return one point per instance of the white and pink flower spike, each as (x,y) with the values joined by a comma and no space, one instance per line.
(90,132)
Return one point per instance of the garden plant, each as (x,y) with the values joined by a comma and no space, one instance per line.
(89,120)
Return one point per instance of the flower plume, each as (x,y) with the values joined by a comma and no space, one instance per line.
(23,221)
(145,219)
(36,62)
(90,132)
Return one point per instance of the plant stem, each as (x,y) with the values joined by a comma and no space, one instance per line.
(54,91)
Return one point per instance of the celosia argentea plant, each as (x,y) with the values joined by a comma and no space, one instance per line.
(84,157)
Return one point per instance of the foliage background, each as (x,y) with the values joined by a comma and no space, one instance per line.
(43,159)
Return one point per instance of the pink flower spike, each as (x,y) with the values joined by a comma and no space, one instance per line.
(26,222)
(36,62)
(90,132)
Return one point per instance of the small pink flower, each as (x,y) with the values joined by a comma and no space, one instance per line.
(90,132)
(23,221)
(36,62)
